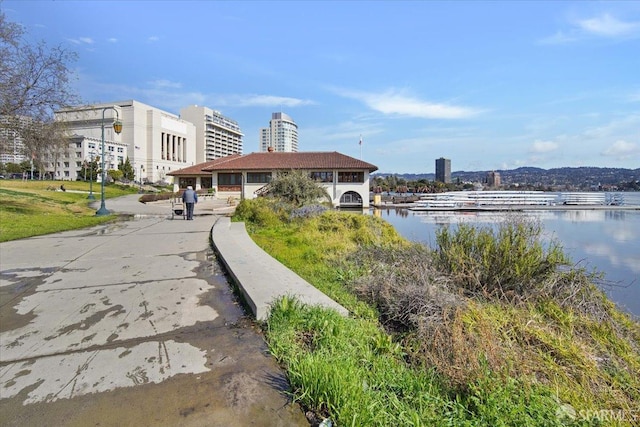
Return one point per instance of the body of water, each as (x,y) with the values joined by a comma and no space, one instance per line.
(604,240)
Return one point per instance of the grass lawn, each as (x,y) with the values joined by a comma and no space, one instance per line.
(33,208)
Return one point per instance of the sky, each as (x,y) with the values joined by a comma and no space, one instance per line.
(491,85)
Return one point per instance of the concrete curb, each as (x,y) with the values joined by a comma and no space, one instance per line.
(260,277)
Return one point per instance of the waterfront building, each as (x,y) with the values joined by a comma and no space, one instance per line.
(155,142)
(216,135)
(281,135)
(493,179)
(443,170)
(345,178)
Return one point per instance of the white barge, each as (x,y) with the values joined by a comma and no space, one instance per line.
(512,200)
(480,199)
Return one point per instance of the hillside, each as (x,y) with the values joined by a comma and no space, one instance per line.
(580,177)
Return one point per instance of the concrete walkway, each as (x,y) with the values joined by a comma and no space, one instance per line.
(132,323)
(259,276)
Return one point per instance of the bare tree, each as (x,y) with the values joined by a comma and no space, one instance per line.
(34,82)
(45,141)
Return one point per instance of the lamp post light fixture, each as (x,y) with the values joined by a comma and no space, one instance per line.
(117,127)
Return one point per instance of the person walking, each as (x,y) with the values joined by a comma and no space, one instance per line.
(189,198)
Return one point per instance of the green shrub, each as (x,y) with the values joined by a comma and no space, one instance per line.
(507,262)
(297,188)
(260,212)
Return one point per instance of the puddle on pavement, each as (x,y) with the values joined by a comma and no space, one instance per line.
(10,295)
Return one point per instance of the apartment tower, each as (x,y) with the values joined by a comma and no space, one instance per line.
(281,135)
(217,136)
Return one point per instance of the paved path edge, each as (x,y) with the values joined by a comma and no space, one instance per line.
(261,278)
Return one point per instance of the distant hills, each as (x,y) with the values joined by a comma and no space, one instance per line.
(579,177)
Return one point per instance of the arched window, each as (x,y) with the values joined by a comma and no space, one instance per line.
(350,198)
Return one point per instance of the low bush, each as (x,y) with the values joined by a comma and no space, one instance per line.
(508,262)
(261,212)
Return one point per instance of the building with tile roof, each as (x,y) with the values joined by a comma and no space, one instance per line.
(244,176)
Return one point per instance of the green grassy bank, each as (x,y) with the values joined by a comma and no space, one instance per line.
(486,328)
(34,208)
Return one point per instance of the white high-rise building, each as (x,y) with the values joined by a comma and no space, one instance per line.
(217,136)
(281,135)
(155,142)
(11,145)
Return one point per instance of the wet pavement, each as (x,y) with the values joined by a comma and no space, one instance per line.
(131,323)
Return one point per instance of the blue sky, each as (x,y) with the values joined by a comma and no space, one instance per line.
(490,85)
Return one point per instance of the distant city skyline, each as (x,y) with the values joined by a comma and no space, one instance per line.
(490,85)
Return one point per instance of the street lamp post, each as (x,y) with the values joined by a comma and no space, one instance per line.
(91,157)
(117,127)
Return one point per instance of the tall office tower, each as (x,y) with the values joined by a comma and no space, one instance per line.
(493,179)
(281,135)
(216,135)
(443,170)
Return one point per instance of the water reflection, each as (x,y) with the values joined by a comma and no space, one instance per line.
(604,240)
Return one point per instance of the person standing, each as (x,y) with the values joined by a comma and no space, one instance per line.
(189,198)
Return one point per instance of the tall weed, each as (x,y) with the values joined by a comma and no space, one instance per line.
(507,263)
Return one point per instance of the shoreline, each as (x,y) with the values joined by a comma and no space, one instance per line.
(506,208)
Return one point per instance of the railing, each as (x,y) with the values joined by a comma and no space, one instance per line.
(262,190)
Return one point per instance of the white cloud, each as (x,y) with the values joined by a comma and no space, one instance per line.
(265,101)
(559,38)
(603,25)
(153,39)
(112,40)
(165,84)
(82,40)
(543,147)
(394,102)
(608,26)
(623,150)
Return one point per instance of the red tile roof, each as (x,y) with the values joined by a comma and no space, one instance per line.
(278,161)
(198,169)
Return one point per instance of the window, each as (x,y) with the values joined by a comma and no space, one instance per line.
(110,148)
(92,146)
(351,177)
(258,177)
(120,150)
(66,164)
(322,176)
(230,179)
